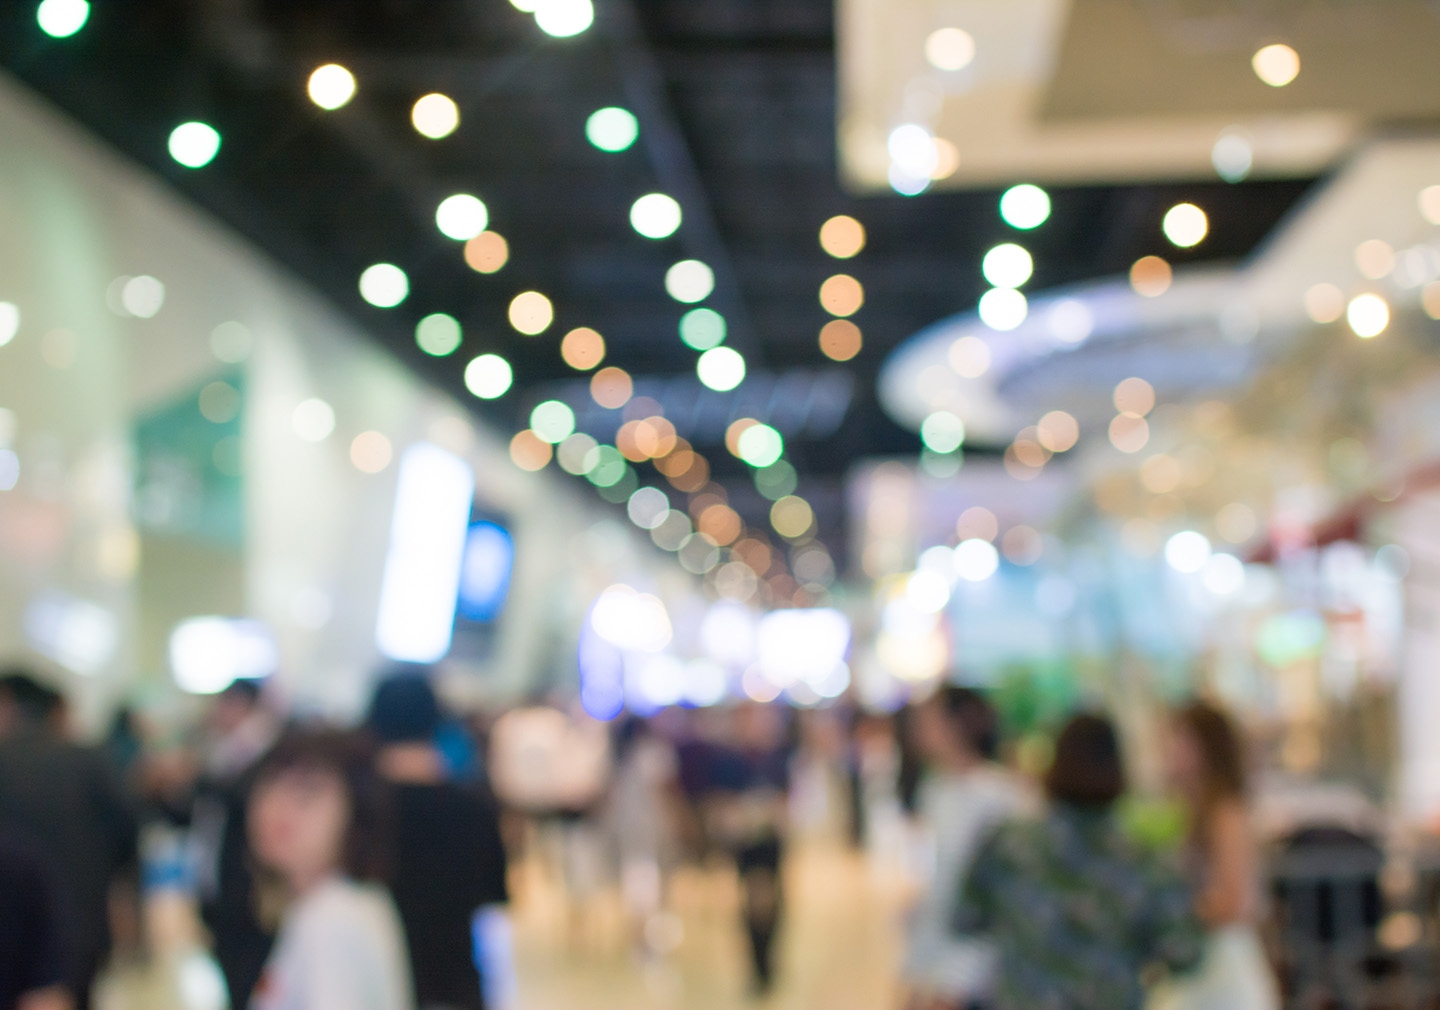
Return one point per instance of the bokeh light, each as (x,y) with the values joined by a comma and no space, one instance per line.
(1151,276)
(219,403)
(371,452)
(313,420)
(489,376)
(612,129)
(1025,207)
(1161,473)
(612,388)
(1237,523)
(942,432)
(1233,157)
(841,340)
(842,237)
(721,369)
(1185,225)
(530,452)
(969,357)
(1188,551)
(9,322)
(331,87)
(438,334)
(1022,546)
(553,421)
(1134,396)
(435,116)
(1368,315)
(656,216)
(194,145)
(702,329)
(573,454)
(648,507)
(1129,433)
(583,349)
(1070,321)
(1058,431)
(1374,259)
(61,19)
(976,560)
(760,445)
(792,517)
(977,523)
(1223,574)
(384,285)
(462,217)
(912,150)
(142,297)
(690,281)
(1324,303)
(721,524)
(698,554)
(487,253)
(1008,266)
(776,481)
(1003,309)
(950,49)
(563,19)
(842,295)
(1429,201)
(1277,65)
(531,313)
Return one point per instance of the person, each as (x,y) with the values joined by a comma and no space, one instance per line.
(1207,766)
(747,815)
(240,728)
(65,800)
(317,824)
(1079,912)
(642,823)
(449,860)
(962,799)
(34,969)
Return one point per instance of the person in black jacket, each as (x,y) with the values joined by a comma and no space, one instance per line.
(67,802)
(449,861)
(34,957)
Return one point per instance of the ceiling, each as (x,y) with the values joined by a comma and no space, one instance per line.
(737,101)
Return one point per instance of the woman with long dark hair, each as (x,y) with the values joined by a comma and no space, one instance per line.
(318,824)
(1207,767)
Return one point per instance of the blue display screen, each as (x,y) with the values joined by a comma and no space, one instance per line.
(485,573)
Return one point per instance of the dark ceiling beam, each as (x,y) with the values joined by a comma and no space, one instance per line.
(675,168)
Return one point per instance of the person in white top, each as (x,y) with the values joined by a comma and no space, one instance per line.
(963,797)
(1207,767)
(316,823)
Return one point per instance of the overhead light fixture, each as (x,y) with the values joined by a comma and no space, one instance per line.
(61,19)
(690,281)
(1186,225)
(612,129)
(656,216)
(1025,207)
(489,376)
(384,285)
(462,217)
(950,49)
(331,87)
(1008,266)
(1277,65)
(435,116)
(721,369)
(195,144)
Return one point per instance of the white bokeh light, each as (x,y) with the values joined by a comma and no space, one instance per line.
(721,369)
(9,322)
(690,281)
(1003,309)
(194,145)
(313,420)
(1008,265)
(1025,206)
(928,591)
(912,149)
(384,285)
(1186,225)
(1224,574)
(435,116)
(950,49)
(331,87)
(489,376)
(563,19)
(462,217)
(1071,321)
(61,19)
(1188,551)
(656,215)
(976,560)
(1368,315)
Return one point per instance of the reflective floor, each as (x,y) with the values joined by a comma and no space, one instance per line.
(839,947)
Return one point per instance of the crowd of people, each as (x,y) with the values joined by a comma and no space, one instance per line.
(366,868)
